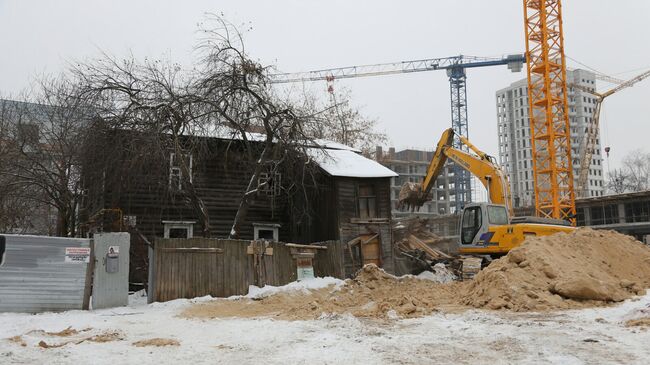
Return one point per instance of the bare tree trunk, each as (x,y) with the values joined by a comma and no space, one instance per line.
(251,190)
(200,209)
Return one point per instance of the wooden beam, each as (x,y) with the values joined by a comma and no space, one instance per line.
(192,250)
(295,245)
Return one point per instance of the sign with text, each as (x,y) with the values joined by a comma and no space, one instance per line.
(77,254)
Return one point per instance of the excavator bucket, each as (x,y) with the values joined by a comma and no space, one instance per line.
(411,196)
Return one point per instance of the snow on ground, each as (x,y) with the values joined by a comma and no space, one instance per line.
(255,292)
(590,336)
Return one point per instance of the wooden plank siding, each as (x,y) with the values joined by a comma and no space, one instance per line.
(183,274)
(347,194)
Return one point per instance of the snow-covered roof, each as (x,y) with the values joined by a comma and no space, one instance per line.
(348,163)
(334,145)
(334,158)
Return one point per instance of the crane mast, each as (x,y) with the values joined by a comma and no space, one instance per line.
(548,110)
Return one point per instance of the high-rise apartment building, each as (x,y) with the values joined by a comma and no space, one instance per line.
(515,140)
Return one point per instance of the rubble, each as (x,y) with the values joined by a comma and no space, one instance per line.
(412,234)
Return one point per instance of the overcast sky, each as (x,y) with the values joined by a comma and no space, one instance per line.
(413,109)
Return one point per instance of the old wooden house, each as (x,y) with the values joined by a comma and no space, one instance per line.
(348,197)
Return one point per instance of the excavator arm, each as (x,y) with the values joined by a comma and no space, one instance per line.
(480,165)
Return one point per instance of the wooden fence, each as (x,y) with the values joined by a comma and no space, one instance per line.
(188,268)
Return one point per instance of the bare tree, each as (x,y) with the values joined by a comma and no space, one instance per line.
(634,174)
(236,91)
(155,101)
(226,94)
(617,181)
(341,122)
(18,210)
(42,142)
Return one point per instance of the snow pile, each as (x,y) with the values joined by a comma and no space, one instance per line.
(303,286)
(564,270)
(440,274)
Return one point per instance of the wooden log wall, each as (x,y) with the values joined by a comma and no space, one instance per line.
(188,268)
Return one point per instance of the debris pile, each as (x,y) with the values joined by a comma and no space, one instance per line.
(413,238)
(564,270)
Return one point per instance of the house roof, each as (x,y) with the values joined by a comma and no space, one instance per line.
(348,163)
(334,158)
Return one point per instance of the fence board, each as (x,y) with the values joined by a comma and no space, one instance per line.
(188,268)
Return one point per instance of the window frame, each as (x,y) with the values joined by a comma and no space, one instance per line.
(275,227)
(476,227)
(175,170)
(364,209)
(169,225)
(272,189)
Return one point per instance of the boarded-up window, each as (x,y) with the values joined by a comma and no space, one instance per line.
(367,201)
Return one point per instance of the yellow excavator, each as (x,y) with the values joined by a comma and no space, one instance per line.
(485,228)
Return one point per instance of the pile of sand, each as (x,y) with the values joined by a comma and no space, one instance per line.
(157,342)
(372,293)
(574,270)
(564,270)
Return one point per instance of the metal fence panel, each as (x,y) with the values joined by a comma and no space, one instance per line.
(37,277)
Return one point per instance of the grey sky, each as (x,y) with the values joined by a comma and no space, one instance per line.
(610,36)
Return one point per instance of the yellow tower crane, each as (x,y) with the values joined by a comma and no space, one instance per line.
(591,133)
(547,110)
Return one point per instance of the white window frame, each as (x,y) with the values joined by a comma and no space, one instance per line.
(257,227)
(175,170)
(169,225)
(272,189)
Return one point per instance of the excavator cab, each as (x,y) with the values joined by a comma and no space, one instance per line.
(476,220)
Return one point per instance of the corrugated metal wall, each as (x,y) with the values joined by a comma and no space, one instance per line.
(35,277)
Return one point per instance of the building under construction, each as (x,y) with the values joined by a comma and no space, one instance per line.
(514,135)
